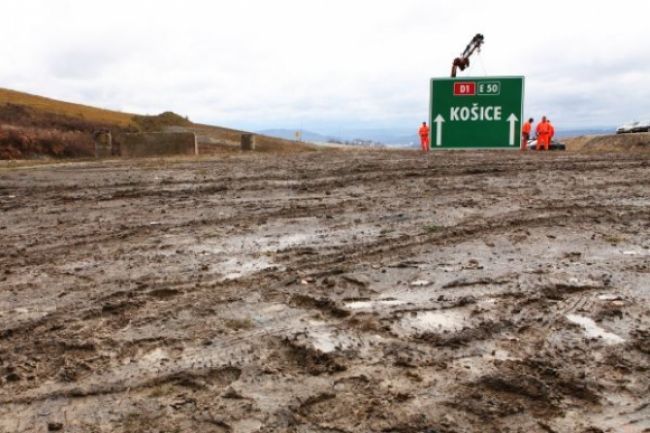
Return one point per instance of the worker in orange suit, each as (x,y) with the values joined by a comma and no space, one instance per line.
(551,131)
(543,132)
(424,137)
(525,133)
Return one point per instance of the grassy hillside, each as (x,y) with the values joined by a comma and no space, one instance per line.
(90,114)
(637,142)
(34,126)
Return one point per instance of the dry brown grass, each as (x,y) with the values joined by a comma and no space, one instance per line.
(34,142)
(574,144)
(85,112)
(32,113)
(637,142)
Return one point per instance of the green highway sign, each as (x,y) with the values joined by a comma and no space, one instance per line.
(476,113)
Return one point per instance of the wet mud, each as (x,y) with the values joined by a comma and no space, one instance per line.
(327,292)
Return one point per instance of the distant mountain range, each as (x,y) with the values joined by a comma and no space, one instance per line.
(290,134)
(586,131)
(399,137)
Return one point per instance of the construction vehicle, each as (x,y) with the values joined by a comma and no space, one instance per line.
(462,62)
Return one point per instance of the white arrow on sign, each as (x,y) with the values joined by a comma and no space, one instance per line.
(439,121)
(512,119)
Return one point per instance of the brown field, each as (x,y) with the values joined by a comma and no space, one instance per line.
(350,291)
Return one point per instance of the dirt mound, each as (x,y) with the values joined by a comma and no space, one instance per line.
(160,122)
(610,143)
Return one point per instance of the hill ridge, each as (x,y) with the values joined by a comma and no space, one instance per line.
(37,125)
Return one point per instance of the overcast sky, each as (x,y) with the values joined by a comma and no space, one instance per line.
(325,64)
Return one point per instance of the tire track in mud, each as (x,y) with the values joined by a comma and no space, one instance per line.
(320,266)
(346,258)
(291,211)
(147,230)
(341,177)
(151,298)
(196,361)
(391,247)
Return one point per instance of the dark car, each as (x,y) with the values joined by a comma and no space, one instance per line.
(555,145)
(643,126)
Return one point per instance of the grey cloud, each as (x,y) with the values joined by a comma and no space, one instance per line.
(82,63)
(267,64)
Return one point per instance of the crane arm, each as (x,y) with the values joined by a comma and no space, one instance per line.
(462,62)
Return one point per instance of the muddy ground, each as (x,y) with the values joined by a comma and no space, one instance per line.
(327,292)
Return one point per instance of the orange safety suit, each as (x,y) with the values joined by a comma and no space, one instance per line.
(424,138)
(525,135)
(543,135)
(551,132)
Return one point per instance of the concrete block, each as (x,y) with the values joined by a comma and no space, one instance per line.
(103,144)
(143,144)
(247,142)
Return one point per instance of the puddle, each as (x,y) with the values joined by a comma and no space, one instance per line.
(329,341)
(155,357)
(609,297)
(290,240)
(488,302)
(247,426)
(237,268)
(326,339)
(367,305)
(238,255)
(253,242)
(439,320)
(421,283)
(592,330)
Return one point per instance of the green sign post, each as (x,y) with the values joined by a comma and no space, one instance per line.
(476,113)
